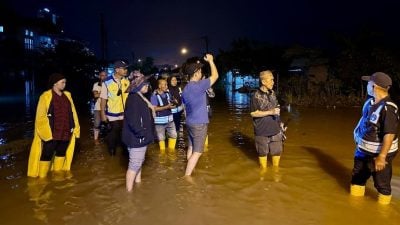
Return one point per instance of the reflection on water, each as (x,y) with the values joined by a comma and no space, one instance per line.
(227,187)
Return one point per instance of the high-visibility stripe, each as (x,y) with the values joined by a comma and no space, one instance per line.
(177,109)
(375,147)
(163,119)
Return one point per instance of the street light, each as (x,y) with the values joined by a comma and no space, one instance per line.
(184,51)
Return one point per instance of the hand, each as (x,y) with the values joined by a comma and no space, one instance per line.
(380,163)
(171,106)
(276,111)
(209,58)
(104,118)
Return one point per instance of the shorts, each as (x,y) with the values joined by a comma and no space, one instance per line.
(269,145)
(51,147)
(136,158)
(197,136)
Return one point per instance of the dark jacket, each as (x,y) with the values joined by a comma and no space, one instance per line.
(138,128)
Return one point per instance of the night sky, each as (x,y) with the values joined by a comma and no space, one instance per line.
(160,28)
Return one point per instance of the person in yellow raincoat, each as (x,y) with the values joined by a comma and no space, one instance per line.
(56,128)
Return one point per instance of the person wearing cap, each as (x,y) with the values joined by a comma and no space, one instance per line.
(376,139)
(138,127)
(265,111)
(113,97)
(195,100)
(97,112)
(56,128)
(164,120)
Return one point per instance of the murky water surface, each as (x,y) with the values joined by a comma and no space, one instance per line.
(310,187)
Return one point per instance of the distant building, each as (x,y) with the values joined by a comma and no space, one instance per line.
(24,39)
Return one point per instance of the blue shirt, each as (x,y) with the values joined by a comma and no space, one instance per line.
(195,99)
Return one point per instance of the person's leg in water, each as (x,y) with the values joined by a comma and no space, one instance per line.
(96,127)
(133,173)
(198,134)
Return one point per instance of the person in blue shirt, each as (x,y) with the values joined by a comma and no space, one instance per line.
(195,100)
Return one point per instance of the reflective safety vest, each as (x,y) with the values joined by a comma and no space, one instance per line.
(116,96)
(369,123)
(180,107)
(163,116)
(177,109)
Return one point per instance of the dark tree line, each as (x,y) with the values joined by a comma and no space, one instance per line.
(346,59)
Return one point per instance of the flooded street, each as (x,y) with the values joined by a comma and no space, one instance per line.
(310,187)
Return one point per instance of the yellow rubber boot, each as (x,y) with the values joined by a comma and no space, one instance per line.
(263,162)
(58,163)
(206,142)
(44,167)
(275,160)
(384,199)
(162,145)
(171,143)
(357,190)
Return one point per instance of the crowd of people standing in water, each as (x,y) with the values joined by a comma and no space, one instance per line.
(136,118)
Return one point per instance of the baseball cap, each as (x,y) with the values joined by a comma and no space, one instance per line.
(120,64)
(381,79)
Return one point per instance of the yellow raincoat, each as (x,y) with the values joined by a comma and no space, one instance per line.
(43,133)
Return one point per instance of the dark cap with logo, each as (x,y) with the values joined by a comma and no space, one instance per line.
(120,64)
(381,79)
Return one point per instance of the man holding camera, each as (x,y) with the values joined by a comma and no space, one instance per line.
(164,120)
(113,97)
(268,129)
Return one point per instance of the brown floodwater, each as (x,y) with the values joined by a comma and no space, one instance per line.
(310,187)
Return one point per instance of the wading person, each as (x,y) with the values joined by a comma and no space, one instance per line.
(56,128)
(376,139)
(113,97)
(138,128)
(267,125)
(195,100)
(164,121)
(97,112)
(176,95)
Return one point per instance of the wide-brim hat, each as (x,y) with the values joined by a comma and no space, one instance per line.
(381,79)
(138,81)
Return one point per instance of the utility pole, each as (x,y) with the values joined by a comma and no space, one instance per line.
(205,38)
(103,38)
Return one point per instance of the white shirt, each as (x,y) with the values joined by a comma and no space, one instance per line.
(97,88)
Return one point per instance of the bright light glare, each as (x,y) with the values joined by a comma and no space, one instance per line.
(184,51)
